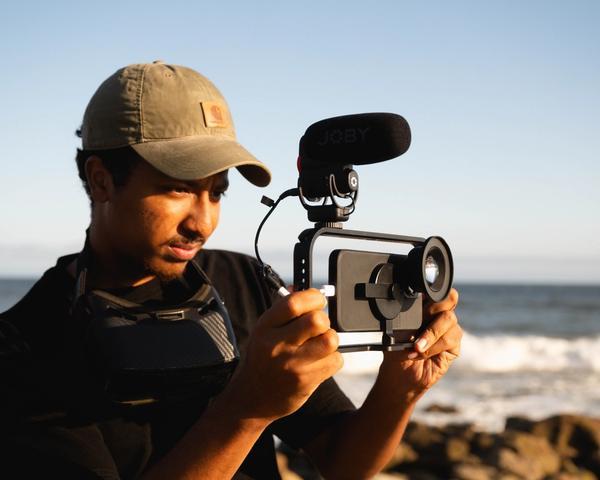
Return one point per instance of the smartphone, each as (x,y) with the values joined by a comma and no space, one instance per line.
(370,296)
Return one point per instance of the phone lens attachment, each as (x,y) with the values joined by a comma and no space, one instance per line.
(429,269)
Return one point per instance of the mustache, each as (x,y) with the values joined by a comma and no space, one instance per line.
(191,240)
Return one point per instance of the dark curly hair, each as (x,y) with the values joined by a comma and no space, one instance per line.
(118,161)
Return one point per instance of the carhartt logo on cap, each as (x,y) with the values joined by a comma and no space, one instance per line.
(214,115)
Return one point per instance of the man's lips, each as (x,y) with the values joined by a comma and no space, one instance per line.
(184,251)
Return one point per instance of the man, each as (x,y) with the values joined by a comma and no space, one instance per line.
(158,143)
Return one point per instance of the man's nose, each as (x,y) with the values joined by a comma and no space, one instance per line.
(199,218)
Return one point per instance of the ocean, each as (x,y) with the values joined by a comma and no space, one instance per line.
(527,350)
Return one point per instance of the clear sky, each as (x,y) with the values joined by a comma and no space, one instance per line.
(503,99)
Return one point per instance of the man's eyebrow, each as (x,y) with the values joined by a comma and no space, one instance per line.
(221,183)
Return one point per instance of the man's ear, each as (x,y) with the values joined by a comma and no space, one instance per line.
(99,180)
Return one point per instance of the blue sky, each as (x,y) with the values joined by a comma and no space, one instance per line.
(502,98)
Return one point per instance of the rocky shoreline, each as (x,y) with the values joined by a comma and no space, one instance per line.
(562,447)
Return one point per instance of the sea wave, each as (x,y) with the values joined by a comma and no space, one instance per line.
(506,353)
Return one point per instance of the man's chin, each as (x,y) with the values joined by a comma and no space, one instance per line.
(165,270)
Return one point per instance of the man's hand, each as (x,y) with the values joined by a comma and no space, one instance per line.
(362,444)
(417,370)
(289,354)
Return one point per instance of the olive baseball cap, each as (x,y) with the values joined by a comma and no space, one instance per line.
(173,117)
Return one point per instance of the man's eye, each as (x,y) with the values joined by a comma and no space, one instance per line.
(178,189)
(218,195)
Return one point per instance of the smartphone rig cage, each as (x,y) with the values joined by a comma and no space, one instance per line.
(373,291)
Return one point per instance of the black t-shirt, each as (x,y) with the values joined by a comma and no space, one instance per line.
(54,378)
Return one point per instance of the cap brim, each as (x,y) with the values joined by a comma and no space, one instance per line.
(195,157)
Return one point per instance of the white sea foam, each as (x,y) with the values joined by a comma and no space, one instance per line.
(506,353)
(509,353)
(486,388)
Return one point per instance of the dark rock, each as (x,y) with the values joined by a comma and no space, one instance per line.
(592,463)
(422,475)
(507,476)
(513,463)
(564,447)
(521,424)
(462,430)
(581,475)
(567,466)
(570,471)
(482,442)
(402,455)
(573,436)
(430,445)
(457,449)
(524,454)
(437,408)
(423,437)
(469,471)
(434,449)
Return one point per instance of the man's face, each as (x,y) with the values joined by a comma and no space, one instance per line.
(155,224)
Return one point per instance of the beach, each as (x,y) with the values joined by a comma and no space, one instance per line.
(531,351)
(562,447)
(521,402)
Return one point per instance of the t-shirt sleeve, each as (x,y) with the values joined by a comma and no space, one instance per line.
(325,407)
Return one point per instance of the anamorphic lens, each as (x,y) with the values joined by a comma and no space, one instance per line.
(432,270)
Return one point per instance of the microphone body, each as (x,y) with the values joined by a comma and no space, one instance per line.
(357,139)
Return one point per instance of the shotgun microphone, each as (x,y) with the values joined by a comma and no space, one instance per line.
(357,139)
